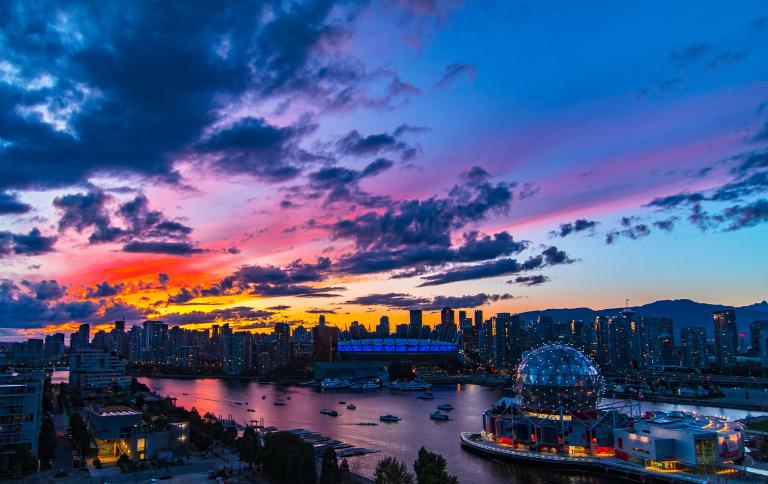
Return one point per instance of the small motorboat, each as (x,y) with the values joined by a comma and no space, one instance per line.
(351,406)
(263,397)
(279,403)
(389,418)
(251,410)
(438,415)
(288,398)
(329,412)
(342,402)
(185,393)
(445,406)
(426,396)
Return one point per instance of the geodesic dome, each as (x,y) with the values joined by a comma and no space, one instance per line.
(557,376)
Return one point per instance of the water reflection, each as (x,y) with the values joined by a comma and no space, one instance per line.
(401,440)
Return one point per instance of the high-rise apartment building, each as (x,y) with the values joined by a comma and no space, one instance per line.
(20,414)
(694,342)
(726,337)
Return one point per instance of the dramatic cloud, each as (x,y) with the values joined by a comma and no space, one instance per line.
(339,184)
(31,243)
(163,278)
(411,222)
(105,289)
(579,225)
(549,257)
(121,99)
(453,71)
(397,300)
(320,311)
(11,205)
(235,314)
(279,308)
(46,290)
(421,257)
(170,248)
(254,147)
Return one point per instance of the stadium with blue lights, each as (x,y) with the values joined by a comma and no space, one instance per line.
(394,349)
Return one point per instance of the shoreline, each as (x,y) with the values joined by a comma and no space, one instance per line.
(587,465)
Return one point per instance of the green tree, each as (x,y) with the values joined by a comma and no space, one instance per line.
(390,471)
(430,469)
(23,460)
(307,471)
(345,473)
(329,471)
(250,445)
(47,443)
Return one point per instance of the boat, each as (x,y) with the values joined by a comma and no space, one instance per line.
(409,385)
(288,397)
(445,406)
(342,402)
(351,406)
(279,403)
(185,393)
(263,397)
(389,418)
(251,410)
(333,383)
(426,396)
(370,386)
(330,412)
(438,415)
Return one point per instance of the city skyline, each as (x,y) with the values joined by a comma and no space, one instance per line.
(357,160)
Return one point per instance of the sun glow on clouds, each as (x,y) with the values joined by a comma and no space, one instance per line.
(253,141)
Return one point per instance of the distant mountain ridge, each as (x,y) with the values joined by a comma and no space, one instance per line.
(683,313)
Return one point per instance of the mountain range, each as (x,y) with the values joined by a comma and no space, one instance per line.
(683,313)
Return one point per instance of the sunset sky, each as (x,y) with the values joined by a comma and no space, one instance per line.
(254,162)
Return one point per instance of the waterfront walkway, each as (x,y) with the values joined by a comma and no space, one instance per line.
(601,465)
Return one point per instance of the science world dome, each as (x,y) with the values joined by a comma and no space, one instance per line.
(558,378)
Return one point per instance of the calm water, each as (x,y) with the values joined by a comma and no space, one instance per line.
(401,440)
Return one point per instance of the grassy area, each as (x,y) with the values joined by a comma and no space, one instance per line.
(760,425)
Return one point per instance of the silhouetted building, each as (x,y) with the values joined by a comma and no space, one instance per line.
(478,319)
(414,324)
(325,340)
(81,339)
(382,330)
(509,341)
(282,343)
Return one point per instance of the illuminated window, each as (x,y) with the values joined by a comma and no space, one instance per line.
(140,445)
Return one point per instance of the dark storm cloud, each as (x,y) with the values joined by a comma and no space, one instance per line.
(430,221)
(184,295)
(45,290)
(105,289)
(534,280)
(579,225)
(31,243)
(279,308)
(397,300)
(453,71)
(163,278)
(549,257)
(130,88)
(156,247)
(82,211)
(11,205)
